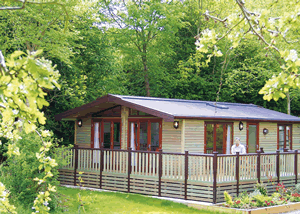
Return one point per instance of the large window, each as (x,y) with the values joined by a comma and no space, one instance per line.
(218,137)
(106,133)
(284,136)
(145,134)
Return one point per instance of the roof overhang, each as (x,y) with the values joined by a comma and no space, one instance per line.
(107,102)
(237,119)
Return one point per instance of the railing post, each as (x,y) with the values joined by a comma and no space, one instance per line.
(159,171)
(258,166)
(101,165)
(186,172)
(76,163)
(215,164)
(296,166)
(277,165)
(237,169)
(129,169)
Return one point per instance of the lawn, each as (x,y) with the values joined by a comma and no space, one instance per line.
(111,202)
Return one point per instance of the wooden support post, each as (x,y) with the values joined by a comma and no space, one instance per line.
(296,166)
(186,172)
(76,162)
(159,171)
(101,165)
(258,166)
(237,173)
(277,166)
(129,169)
(215,164)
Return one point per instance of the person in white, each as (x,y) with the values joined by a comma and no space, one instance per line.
(238,147)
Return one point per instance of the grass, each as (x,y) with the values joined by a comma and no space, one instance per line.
(95,202)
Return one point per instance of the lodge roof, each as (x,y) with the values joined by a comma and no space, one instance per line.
(170,109)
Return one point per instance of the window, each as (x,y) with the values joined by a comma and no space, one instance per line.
(145,134)
(252,137)
(106,133)
(133,112)
(284,136)
(218,137)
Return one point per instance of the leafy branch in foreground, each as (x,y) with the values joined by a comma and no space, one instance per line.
(274,25)
(23,79)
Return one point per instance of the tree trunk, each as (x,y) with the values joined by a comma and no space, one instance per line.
(146,77)
(288,103)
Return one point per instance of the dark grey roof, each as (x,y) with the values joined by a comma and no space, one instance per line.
(170,109)
(207,109)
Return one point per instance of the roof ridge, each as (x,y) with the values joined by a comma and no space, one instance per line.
(178,100)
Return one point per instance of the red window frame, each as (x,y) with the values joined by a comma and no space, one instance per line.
(215,136)
(149,120)
(291,135)
(101,131)
(257,134)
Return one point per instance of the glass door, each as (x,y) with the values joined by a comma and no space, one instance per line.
(106,133)
(218,137)
(144,134)
(252,137)
(284,137)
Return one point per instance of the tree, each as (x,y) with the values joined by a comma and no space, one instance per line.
(143,30)
(273,24)
(24,77)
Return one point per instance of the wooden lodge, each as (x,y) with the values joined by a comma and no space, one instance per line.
(180,148)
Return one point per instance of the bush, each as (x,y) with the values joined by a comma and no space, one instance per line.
(228,199)
(17,172)
(262,188)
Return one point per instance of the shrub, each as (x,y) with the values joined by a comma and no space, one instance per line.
(18,172)
(255,193)
(228,199)
(262,188)
(263,201)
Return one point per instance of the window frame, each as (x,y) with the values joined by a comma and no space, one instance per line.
(257,135)
(101,131)
(149,121)
(284,137)
(138,114)
(215,136)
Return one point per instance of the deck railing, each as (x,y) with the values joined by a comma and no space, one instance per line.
(204,168)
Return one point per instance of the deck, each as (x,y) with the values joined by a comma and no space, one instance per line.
(200,177)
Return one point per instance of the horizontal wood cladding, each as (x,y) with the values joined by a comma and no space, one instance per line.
(83,133)
(194,136)
(296,137)
(268,141)
(171,137)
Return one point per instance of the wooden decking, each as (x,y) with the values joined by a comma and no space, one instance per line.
(202,177)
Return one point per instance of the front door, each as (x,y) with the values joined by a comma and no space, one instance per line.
(218,137)
(144,134)
(106,133)
(252,137)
